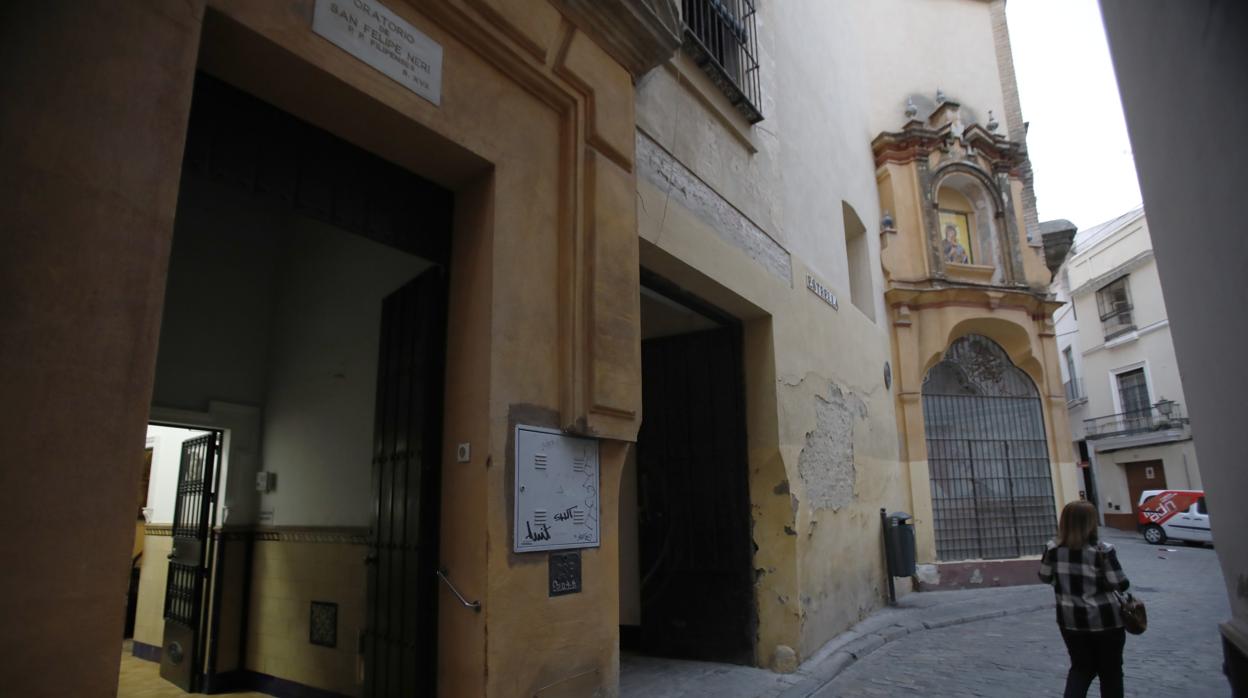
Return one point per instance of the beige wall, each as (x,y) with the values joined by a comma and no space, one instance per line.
(1100,251)
(288,574)
(833,76)
(820,571)
(1178,458)
(1193,196)
(913,47)
(86,234)
(322,378)
(521,222)
(149,623)
(789,174)
(534,134)
(290,568)
(1107,255)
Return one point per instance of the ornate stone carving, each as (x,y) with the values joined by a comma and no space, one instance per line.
(640,34)
(1057,235)
(976,365)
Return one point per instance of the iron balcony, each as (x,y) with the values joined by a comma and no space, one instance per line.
(1160,417)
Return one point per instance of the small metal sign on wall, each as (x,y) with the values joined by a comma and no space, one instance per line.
(372,33)
(822,291)
(556,491)
(565,573)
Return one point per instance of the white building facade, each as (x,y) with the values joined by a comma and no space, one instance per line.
(1123,389)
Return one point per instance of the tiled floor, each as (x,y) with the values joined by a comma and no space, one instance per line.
(141,679)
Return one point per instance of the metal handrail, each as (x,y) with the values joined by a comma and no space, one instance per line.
(474,605)
(1138,422)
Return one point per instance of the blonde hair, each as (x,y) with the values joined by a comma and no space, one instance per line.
(1077,528)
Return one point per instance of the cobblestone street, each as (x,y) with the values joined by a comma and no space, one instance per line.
(1023,655)
(987,642)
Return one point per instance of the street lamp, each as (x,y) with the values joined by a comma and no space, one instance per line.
(1165,407)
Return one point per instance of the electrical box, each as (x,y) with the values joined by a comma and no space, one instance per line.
(556,491)
(265,481)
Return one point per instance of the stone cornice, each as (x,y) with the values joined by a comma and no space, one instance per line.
(918,140)
(640,34)
(928,295)
(1101,280)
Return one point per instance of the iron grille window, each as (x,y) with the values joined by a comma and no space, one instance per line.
(1113,302)
(1137,410)
(991,482)
(721,37)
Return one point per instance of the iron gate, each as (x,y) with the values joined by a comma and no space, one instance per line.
(181,659)
(992,487)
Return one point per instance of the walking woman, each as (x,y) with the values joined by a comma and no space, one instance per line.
(1085,575)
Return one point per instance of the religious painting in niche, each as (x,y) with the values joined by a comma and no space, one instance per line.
(955,232)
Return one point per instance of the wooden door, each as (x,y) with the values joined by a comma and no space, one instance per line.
(1143,475)
(400,648)
(697,598)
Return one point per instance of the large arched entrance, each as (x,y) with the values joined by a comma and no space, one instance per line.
(992,488)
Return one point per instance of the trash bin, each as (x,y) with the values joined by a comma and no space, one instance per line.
(899,544)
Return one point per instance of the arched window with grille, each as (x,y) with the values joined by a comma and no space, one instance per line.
(987,454)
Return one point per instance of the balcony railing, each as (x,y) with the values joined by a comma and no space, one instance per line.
(1159,417)
(1118,321)
(1074,390)
(720,35)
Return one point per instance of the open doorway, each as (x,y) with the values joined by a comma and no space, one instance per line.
(304,331)
(686,580)
(183,468)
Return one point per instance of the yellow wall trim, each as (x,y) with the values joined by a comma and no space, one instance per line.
(348,535)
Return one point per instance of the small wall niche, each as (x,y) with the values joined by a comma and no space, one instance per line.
(858,255)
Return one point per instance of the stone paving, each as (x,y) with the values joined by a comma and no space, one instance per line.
(1023,655)
(140,678)
(990,642)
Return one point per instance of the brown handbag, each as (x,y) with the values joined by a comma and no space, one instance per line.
(1134,615)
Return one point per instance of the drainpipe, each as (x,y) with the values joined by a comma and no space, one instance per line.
(1096,480)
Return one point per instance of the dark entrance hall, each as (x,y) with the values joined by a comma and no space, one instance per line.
(693,509)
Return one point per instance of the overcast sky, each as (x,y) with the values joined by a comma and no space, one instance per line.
(1078,143)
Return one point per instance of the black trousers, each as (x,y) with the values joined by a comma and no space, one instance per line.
(1094,654)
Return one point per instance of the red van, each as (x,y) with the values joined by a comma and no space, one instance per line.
(1174,515)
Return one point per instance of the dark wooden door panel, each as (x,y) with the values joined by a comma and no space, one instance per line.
(694,511)
(1138,481)
(400,652)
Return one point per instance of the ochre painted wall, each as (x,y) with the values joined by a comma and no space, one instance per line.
(290,570)
(543,307)
(149,623)
(88,215)
(534,134)
(815,385)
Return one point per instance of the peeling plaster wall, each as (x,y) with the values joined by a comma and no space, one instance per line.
(824,453)
(822,428)
(826,464)
(847,469)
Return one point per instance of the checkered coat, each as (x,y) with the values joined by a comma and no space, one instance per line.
(1085,581)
